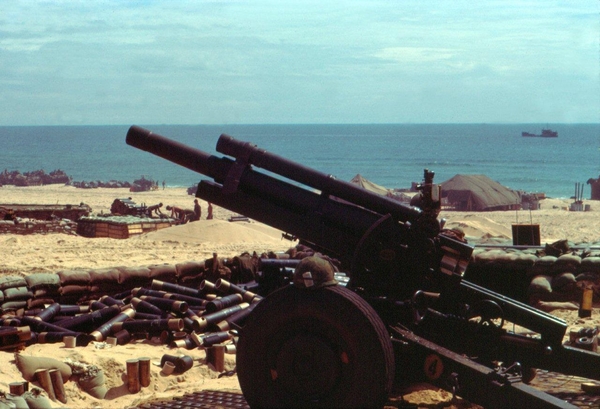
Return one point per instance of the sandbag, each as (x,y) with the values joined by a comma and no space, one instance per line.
(215,271)
(74,289)
(590,265)
(489,256)
(42,280)
(74,277)
(243,269)
(39,302)
(567,263)
(540,285)
(93,382)
(189,269)
(37,400)
(564,282)
(163,272)
(134,275)
(13,305)
(104,275)
(18,401)
(544,265)
(46,292)
(29,364)
(5,405)
(17,294)
(12,281)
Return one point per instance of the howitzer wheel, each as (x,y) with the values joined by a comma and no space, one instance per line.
(315,348)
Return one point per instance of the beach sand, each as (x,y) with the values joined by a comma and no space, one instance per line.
(27,254)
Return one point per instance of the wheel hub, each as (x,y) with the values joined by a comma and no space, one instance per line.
(307,367)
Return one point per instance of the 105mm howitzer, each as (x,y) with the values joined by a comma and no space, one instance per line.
(405,312)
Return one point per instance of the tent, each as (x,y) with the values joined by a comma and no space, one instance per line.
(380,190)
(478,193)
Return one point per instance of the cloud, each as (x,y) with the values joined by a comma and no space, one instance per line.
(268,61)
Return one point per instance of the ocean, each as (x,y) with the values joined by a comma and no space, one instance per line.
(391,155)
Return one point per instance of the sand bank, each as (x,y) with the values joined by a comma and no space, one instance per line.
(198,241)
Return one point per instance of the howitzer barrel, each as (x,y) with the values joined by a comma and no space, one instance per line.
(324,182)
(220,169)
(186,156)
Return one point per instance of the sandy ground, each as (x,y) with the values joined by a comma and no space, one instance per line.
(198,241)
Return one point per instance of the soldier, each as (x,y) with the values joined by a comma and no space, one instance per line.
(209,216)
(177,213)
(197,211)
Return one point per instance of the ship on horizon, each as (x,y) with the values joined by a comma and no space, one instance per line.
(546,133)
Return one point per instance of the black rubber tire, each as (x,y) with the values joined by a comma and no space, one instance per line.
(315,348)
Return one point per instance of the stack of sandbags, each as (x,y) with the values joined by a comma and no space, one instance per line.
(14,293)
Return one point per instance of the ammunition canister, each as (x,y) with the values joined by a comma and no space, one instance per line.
(87,322)
(145,306)
(11,322)
(74,309)
(226,287)
(97,305)
(208,319)
(41,326)
(48,313)
(31,312)
(171,305)
(24,333)
(146,316)
(585,309)
(58,385)
(123,337)
(18,388)
(182,362)
(139,291)
(175,288)
(210,338)
(153,327)
(185,343)
(191,321)
(101,332)
(220,303)
(234,321)
(133,375)
(192,301)
(207,287)
(144,367)
(215,356)
(43,377)
(108,300)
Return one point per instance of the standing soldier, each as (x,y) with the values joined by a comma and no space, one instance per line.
(209,216)
(197,211)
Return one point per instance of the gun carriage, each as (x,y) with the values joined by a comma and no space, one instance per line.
(406,312)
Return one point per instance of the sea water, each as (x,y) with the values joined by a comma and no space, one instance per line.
(391,155)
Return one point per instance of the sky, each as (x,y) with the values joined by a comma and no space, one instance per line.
(299,61)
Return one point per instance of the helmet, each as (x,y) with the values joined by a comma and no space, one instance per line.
(314,272)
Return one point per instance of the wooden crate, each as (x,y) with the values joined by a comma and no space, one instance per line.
(117,229)
(133,229)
